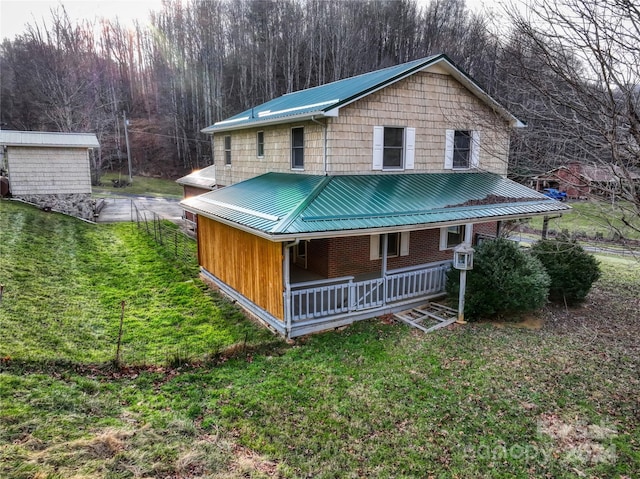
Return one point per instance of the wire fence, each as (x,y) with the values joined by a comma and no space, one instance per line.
(173,240)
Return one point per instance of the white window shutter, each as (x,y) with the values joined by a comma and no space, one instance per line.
(374,247)
(404,243)
(475,149)
(378,147)
(448,149)
(410,148)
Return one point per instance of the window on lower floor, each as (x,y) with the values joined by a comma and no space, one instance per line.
(393,245)
(451,236)
(397,245)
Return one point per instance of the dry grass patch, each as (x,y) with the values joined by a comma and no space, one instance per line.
(579,443)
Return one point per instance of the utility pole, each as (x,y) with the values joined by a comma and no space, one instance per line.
(126,139)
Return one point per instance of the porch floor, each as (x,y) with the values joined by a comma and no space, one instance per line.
(429,316)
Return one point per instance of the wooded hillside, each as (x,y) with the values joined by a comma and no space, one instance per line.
(569,69)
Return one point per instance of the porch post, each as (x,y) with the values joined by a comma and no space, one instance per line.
(385,242)
(287,289)
(468,234)
(468,238)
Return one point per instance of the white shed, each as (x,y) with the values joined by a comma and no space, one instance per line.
(49,169)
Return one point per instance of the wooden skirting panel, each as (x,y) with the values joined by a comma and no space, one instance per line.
(249,264)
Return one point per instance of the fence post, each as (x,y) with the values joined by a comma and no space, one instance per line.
(118,362)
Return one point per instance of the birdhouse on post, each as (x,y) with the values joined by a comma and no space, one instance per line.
(463,257)
(462,260)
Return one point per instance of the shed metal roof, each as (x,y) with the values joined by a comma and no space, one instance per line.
(48,139)
(326,100)
(204,178)
(281,206)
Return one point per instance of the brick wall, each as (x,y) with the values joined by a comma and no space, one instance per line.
(350,256)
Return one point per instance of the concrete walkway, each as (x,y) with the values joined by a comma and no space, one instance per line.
(118,209)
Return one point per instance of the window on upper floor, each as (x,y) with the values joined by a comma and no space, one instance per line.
(462,150)
(227,150)
(297,148)
(393,148)
(260,144)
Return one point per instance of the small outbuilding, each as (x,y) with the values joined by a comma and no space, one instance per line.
(50,170)
(197,183)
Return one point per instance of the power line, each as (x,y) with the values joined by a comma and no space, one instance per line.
(169,136)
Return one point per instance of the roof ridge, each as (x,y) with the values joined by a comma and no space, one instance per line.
(295,212)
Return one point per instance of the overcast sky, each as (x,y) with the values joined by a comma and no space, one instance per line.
(15,14)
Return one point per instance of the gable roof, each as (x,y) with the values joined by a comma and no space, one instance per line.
(48,139)
(283,206)
(326,100)
(204,178)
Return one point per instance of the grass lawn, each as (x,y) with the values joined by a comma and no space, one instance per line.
(375,400)
(141,185)
(591,217)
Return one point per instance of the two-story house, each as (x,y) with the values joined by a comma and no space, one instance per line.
(345,201)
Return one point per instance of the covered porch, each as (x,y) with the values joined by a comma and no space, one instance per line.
(328,303)
(385,253)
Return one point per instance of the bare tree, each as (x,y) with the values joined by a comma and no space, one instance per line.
(573,70)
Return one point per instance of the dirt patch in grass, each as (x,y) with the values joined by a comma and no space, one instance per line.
(610,317)
(247,462)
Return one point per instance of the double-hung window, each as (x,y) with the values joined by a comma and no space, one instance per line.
(227,150)
(297,148)
(451,236)
(393,148)
(462,150)
(260,144)
(397,245)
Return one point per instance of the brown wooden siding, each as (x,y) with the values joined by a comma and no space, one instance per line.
(249,264)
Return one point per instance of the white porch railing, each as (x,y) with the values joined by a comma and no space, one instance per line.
(326,298)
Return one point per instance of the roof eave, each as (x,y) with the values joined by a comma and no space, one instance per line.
(366,231)
(330,112)
(471,85)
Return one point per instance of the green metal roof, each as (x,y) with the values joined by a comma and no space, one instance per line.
(284,205)
(325,100)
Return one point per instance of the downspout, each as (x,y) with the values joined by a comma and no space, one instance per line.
(324,143)
(287,286)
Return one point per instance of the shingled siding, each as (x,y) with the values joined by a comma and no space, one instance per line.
(245,162)
(429,102)
(48,171)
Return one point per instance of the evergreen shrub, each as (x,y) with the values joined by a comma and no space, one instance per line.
(572,270)
(503,280)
